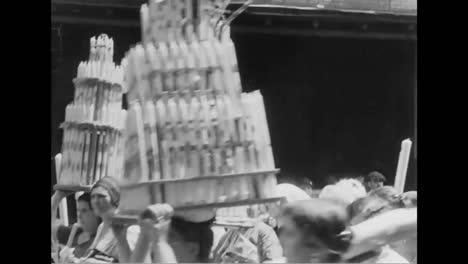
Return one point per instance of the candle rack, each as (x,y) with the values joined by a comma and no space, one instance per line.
(93,135)
(131,217)
(227,190)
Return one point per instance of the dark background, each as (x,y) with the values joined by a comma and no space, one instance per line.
(335,105)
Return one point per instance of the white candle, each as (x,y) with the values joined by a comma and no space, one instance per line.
(144,16)
(141,141)
(400,177)
(92,49)
(151,113)
(161,112)
(155,62)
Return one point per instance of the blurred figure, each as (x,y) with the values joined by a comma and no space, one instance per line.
(256,244)
(183,237)
(191,238)
(377,202)
(290,192)
(307,186)
(311,231)
(410,199)
(374,180)
(79,240)
(345,191)
(361,179)
(408,248)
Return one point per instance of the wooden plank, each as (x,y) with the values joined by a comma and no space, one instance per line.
(131,217)
(216,177)
(72,188)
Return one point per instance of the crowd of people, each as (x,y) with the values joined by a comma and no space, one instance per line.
(351,220)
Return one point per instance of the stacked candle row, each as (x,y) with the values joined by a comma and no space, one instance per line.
(165,20)
(200,121)
(249,211)
(178,67)
(211,145)
(93,142)
(101,48)
(98,102)
(112,117)
(197,192)
(90,154)
(161,20)
(106,71)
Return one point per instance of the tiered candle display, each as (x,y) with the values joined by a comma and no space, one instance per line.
(92,138)
(248,211)
(187,116)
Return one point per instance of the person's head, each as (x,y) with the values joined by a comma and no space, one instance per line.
(86,217)
(376,202)
(345,191)
(105,196)
(410,199)
(311,231)
(307,186)
(375,180)
(191,241)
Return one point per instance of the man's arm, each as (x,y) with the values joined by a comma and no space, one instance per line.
(383,229)
(123,247)
(152,235)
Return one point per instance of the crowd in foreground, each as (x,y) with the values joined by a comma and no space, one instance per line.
(350,221)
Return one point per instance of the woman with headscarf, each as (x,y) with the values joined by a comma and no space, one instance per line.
(112,244)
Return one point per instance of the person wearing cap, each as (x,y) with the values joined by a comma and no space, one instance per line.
(112,243)
(374,180)
(79,237)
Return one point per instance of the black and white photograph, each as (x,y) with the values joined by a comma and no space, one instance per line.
(234,131)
